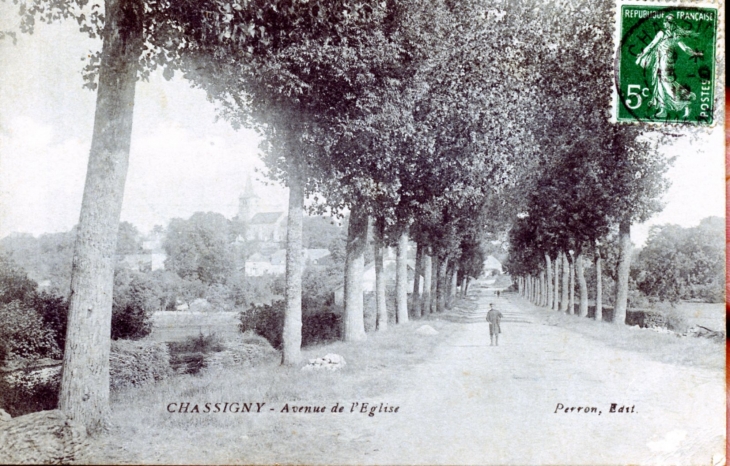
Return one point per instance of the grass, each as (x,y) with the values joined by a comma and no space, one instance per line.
(143,431)
(666,348)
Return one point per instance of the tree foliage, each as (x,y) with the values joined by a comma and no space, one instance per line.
(683,263)
(200,248)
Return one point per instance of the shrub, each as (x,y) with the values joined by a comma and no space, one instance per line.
(130,322)
(318,325)
(321,328)
(137,363)
(24,334)
(266,320)
(14,282)
(54,312)
(29,391)
(189,356)
(200,344)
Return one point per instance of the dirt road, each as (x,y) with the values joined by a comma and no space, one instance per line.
(476,404)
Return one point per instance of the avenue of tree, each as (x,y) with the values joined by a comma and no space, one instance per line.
(446,123)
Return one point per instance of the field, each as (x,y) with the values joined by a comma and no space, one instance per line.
(710,315)
(178,325)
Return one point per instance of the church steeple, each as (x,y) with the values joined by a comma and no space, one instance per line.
(247,202)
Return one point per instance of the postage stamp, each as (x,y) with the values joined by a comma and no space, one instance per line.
(665,63)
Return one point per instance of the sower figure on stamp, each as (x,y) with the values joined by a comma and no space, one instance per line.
(494,317)
(660,57)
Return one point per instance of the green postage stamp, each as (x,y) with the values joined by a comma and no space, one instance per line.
(665,63)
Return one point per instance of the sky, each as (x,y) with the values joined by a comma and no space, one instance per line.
(182,160)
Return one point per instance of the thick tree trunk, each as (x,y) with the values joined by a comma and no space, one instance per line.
(401,280)
(434,283)
(441,285)
(566,281)
(599,286)
(416,295)
(292,334)
(624,265)
(583,307)
(462,287)
(571,295)
(556,286)
(357,232)
(468,281)
(381,311)
(84,393)
(427,275)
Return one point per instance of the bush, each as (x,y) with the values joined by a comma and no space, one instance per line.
(266,320)
(319,325)
(23,392)
(23,333)
(200,344)
(189,356)
(321,328)
(54,312)
(130,322)
(136,363)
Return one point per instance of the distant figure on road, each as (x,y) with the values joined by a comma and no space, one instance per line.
(494,317)
(498,293)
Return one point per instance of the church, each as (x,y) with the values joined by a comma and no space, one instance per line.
(264,224)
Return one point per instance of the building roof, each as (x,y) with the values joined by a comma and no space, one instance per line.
(492,264)
(264,218)
(316,254)
(257,257)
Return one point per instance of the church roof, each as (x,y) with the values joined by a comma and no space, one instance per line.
(266,217)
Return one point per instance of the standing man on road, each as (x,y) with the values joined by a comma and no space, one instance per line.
(494,317)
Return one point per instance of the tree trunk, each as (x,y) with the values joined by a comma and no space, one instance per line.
(427,274)
(571,295)
(434,283)
(416,295)
(84,392)
(583,308)
(401,280)
(292,334)
(381,311)
(543,289)
(566,281)
(454,283)
(357,232)
(624,265)
(599,286)
(447,288)
(556,286)
(549,268)
(441,285)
